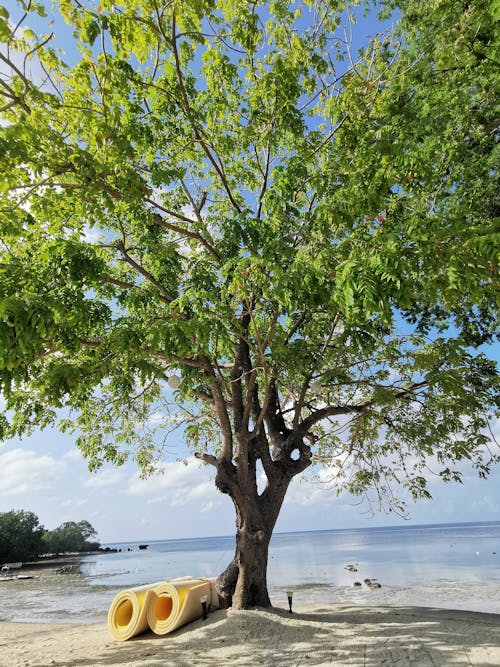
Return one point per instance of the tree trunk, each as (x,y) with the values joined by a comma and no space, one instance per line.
(252,550)
(243,584)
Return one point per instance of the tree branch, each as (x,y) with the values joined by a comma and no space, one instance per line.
(196,208)
(181,230)
(240,367)
(264,183)
(12,96)
(116,194)
(126,285)
(9,62)
(155,354)
(118,283)
(303,317)
(332,411)
(121,248)
(221,409)
(206,458)
(308,378)
(196,129)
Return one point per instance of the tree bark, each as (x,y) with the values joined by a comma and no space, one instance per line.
(243,584)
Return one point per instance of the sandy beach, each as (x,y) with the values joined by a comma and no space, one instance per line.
(313,635)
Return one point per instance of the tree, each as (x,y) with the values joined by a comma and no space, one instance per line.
(20,536)
(70,536)
(216,212)
(23,538)
(86,530)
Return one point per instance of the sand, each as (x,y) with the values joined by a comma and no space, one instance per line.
(321,635)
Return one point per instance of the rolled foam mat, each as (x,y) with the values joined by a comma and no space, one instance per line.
(174,603)
(127,615)
(163,606)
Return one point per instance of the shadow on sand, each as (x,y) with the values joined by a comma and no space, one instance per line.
(335,635)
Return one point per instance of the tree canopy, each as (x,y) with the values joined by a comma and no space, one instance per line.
(233,195)
(22,538)
(70,536)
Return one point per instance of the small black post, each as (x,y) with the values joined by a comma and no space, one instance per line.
(289,595)
(203,601)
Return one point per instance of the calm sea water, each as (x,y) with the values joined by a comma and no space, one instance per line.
(451,566)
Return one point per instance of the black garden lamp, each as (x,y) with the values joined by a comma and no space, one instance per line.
(203,600)
(289,595)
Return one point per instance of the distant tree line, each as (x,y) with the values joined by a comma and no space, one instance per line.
(23,538)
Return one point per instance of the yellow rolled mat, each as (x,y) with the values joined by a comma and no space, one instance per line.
(176,602)
(163,606)
(127,615)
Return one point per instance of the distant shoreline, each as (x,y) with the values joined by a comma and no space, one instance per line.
(416,526)
(62,559)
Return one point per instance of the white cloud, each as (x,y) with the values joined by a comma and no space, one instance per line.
(205,493)
(22,470)
(93,235)
(178,484)
(307,490)
(157,500)
(156,418)
(208,507)
(495,428)
(73,455)
(105,479)
(74,502)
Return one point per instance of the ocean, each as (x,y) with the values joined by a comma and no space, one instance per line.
(454,566)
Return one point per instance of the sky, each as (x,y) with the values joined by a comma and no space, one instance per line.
(46,474)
